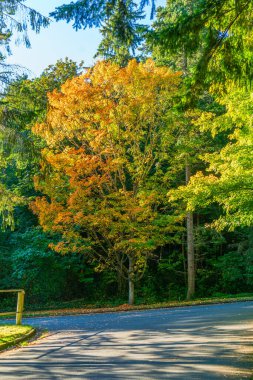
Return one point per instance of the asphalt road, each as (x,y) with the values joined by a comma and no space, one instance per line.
(200,342)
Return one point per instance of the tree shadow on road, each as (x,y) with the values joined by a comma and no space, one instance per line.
(190,347)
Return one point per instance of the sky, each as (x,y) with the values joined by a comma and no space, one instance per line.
(57,41)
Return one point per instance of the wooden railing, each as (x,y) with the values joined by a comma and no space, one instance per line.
(20,303)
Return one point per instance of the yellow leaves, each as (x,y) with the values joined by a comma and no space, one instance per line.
(103,74)
(47,212)
(99,123)
(103,135)
(65,218)
(89,104)
(60,160)
(198,192)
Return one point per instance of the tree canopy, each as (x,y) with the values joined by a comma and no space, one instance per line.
(106,137)
(86,13)
(119,22)
(228,179)
(122,33)
(216,32)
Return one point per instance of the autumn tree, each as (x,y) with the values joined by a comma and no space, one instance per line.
(107,152)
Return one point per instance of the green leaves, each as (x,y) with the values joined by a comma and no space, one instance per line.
(229,177)
(89,13)
(16,19)
(8,202)
(122,33)
(105,139)
(119,22)
(213,37)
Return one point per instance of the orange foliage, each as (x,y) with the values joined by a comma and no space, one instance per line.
(104,142)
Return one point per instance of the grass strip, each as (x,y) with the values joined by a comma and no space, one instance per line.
(11,335)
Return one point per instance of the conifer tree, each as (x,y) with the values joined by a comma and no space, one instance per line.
(15,19)
(119,22)
(216,34)
(91,13)
(122,34)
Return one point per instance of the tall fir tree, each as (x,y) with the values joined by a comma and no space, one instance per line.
(122,33)
(119,22)
(91,13)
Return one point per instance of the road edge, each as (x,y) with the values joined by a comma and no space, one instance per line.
(128,308)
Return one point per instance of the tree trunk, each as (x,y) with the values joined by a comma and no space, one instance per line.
(130,282)
(190,245)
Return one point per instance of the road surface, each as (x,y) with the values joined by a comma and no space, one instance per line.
(200,342)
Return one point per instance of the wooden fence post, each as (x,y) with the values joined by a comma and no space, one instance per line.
(20,302)
(20,307)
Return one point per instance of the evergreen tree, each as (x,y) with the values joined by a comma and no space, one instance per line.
(15,16)
(90,13)
(213,38)
(15,19)
(215,33)
(122,34)
(119,22)
(228,180)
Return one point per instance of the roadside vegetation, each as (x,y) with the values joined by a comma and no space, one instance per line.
(81,307)
(12,335)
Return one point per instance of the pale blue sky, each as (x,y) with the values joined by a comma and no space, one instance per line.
(57,41)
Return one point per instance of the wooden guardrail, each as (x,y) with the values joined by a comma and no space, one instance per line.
(20,303)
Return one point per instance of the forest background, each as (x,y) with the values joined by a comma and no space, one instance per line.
(132,178)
